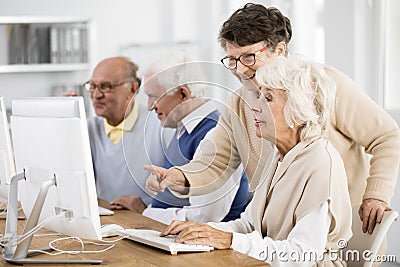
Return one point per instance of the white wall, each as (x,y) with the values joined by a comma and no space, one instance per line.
(392,55)
(121,24)
(341,33)
(391,96)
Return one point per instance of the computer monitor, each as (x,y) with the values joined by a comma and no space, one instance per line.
(52,149)
(7,166)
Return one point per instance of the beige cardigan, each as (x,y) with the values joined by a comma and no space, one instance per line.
(309,175)
(358,126)
(285,195)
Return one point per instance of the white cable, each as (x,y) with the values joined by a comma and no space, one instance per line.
(7,240)
(21,238)
(48,234)
(4,210)
(4,240)
(3,206)
(115,240)
(74,252)
(37,228)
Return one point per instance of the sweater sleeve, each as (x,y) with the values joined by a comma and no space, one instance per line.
(216,158)
(205,208)
(363,121)
(244,224)
(305,241)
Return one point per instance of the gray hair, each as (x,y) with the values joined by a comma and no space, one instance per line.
(131,71)
(175,69)
(309,90)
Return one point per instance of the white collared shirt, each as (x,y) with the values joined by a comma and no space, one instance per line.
(308,235)
(190,121)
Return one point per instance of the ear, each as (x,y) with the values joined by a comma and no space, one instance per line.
(185,93)
(280,48)
(134,88)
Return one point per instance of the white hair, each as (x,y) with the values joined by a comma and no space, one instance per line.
(310,93)
(175,69)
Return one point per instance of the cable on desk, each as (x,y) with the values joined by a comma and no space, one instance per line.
(3,209)
(13,240)
(82,243)
(115,240)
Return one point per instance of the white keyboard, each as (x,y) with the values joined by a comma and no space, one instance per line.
(104,211)
(153,238)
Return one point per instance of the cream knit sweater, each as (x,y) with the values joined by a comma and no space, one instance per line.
(358,127)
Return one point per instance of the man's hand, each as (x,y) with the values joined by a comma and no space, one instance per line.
(190,232)
(69,93)
(133,203)
(161,178)
(371,213)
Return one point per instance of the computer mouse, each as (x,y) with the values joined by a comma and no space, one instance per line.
(108,230)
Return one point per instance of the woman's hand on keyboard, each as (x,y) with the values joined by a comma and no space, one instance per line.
(190,232)
(176,227)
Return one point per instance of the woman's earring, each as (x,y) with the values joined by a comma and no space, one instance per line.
(291,126)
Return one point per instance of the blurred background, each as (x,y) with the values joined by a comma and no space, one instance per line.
(359,37)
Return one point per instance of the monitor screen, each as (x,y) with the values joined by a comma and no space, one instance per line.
(51,141)
(7,166)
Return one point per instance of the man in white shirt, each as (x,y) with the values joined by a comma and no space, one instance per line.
(179,105)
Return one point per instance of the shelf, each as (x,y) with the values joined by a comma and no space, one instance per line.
(41,20)
(24,68)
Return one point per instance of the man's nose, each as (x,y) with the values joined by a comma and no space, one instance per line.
(150,103)
(97,93)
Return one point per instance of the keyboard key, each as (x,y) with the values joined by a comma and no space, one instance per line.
(153,238)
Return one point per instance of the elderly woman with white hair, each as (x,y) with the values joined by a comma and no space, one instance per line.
(301,208)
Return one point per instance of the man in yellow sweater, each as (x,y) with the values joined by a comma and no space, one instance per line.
(252,37)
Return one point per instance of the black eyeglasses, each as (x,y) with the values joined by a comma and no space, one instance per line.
(104,87)
(246,59)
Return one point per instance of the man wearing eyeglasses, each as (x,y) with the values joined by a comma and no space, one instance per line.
(123,135)
(252,37)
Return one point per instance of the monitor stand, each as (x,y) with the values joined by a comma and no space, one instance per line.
(20,254)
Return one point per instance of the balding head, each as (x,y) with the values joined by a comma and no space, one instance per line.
(121,64)
(120,73)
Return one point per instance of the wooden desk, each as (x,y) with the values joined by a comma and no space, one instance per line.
(129,253)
